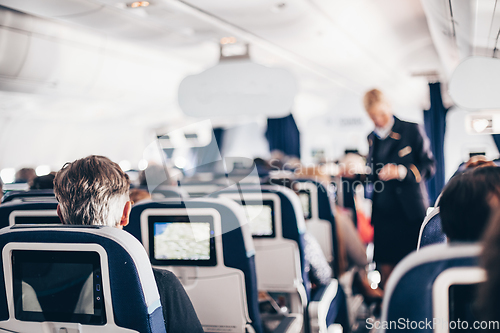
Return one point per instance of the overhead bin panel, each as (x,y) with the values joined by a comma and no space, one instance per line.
(52,8)
(48,57)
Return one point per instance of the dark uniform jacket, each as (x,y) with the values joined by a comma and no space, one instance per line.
(399,206)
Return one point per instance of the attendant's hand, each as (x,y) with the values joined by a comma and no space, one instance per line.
(389,172)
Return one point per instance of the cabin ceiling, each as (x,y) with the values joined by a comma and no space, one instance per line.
(351,45)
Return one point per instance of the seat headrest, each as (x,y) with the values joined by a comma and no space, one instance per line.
(129,275)
(41,195)
(409,291)
(6,209)
(431,231)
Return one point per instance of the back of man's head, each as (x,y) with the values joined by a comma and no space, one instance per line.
(467,201)
(92,191)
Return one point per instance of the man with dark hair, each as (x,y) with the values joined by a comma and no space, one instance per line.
(95,191)
(467,202)
(45,182)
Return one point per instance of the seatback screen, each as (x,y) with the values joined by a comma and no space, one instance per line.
(60,286)
(261,218)
(37,220)
(182,240)
(305,200)
(461,305)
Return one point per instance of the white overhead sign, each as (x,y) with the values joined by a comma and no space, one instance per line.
(475,82)
(238,87)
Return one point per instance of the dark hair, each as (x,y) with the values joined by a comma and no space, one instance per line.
(488,297)
(43,182)
(464,204)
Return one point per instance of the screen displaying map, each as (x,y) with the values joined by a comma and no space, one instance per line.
(181,241)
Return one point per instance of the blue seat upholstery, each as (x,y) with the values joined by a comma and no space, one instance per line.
(418,287)
(6,209)
(325,212)
(293,228)
(37,195)
(237,252)
(431,231)
(130,294)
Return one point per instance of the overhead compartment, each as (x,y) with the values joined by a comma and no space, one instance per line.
(42,56)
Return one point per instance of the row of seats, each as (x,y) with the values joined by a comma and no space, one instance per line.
(231,266)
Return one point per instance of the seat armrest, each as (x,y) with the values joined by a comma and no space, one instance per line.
(320,305)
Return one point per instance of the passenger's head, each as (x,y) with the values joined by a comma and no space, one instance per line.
(377,107)
(467,202)
(43,182)
(25,175)
(93,191)
(137,195)
(477,161)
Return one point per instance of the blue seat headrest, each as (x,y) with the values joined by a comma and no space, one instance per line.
(409,290)
(432,230)
(134,295)
(7,208)
(31,194)
(237,252)
(325,212)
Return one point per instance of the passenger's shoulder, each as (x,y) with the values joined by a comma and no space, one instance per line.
(164,275)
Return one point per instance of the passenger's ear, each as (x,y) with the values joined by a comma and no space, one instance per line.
(126,214)
(59,214)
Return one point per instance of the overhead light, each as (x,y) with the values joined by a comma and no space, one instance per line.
(143,164)
(42,170)
(180,162)
(227,40)
(479,125)
(8,175)
(125,165)
(138,4)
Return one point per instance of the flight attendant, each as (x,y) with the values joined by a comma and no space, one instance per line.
(401,161)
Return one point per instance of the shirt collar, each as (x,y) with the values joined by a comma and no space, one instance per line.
(383,132)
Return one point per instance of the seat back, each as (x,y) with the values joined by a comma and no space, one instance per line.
(280,258)
(222,285)
(431,231)
(322,223)
(31,195)
(419,288)
(75,279)
(21,212)
(320,229)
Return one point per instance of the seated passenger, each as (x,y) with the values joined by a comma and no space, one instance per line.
(95,191)
(25,175)
(467,202)
(136,195)
(488,300)
(43,182)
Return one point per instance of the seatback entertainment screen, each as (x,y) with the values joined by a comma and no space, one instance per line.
(59,286)
(182,240)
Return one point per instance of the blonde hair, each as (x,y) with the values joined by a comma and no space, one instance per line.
(373,97)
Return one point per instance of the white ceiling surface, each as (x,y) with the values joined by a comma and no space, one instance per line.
(334,48)
(463,28)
